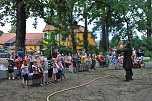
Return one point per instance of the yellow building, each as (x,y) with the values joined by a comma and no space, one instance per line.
(49,29)
(33,41)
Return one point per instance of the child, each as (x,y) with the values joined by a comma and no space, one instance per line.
(18,62)
(55,71)
(42,68)
(25,72)
(74,61)
(88,63)
(78,64)
(11,69)
(63,71)
(83,61)
(50,69)
(36,71)
(93,63)
(59,67)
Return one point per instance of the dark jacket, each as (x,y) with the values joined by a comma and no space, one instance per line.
(127,62)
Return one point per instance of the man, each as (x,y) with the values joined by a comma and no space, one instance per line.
(21,52)
(128,62)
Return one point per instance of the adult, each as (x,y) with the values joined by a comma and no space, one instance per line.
(128,62)
(31,60)
(13,56)
(21,52)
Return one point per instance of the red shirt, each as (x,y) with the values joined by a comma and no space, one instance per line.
(101,57)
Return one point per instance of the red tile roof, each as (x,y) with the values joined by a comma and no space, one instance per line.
(31,38)
(49,27)
(52,28)
(81,29)
(11,40)
(6,37)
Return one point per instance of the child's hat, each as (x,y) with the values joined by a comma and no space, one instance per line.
(35,60)
(24,60)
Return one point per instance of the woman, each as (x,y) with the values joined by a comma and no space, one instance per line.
(128,62)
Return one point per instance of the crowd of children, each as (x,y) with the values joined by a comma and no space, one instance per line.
(38,66)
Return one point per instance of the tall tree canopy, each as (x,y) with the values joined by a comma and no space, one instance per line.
(121,18)
(16,12)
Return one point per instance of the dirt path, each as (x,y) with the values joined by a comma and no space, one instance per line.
(106,89)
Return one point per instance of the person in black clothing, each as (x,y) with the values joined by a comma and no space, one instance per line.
(128,62)
(50,68)
(11,69)
(93,63)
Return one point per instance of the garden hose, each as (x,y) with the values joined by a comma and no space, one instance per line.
(87,84)
(76,86)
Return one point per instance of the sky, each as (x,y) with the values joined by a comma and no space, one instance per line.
(30,28)
(41,24)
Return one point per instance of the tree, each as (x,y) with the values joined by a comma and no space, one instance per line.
(149,21)
(61,15)
(19,11)
(103,15)
(1,32)
(118,17)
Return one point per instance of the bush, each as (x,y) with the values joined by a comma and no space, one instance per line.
(66,50)
(47,52)
(149,60)
(148,54)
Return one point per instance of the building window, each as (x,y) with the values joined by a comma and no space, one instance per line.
(45,35)
(64,36)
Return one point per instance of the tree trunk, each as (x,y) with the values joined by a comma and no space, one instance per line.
(105,31)
(20,25)
(149,22)
(73,40)
(103,38)
(85,34)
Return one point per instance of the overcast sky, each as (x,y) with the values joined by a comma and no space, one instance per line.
(29,26)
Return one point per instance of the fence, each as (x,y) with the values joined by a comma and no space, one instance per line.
(4,55)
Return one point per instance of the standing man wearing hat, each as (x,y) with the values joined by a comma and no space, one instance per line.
(128,62)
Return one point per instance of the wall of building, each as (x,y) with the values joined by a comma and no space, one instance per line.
(68,41)
(34,47)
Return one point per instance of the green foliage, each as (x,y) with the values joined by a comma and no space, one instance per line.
(47,52)
(1,32)
(148,54)
(66,50)
(92,49)
(115,40)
